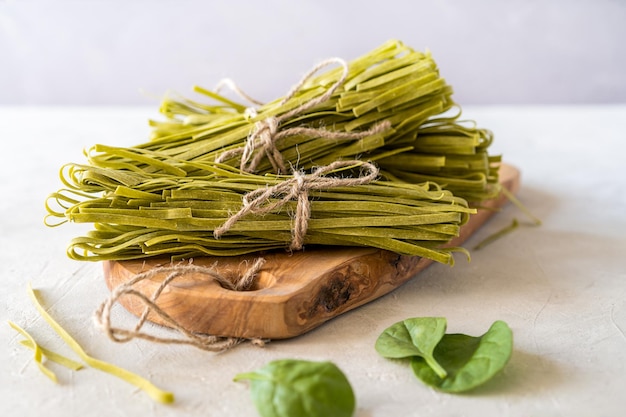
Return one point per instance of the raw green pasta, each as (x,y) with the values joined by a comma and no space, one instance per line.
(156,393)
(54,357)
(390,107)
(178,216)
(37,351)
(392,83)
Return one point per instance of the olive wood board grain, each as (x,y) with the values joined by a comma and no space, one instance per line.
(293,292)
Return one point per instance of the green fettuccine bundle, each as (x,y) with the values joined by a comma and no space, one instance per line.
(392,83)
(163,214)
(390,107)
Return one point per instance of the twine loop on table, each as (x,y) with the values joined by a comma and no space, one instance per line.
(201,341)
(267,131)
(297,188)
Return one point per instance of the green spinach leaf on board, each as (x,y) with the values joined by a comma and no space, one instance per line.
(291,387)
(415,337)
(469,361)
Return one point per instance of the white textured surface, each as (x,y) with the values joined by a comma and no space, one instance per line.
(561,287)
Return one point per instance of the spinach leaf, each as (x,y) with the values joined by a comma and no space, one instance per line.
(415,337)
(290,387)
(469,361)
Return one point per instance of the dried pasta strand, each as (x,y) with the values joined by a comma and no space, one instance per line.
(54,357)
(521,207)
(497,235)
(38,353)
(153,391)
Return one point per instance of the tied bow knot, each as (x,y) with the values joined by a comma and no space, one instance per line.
(267,131)
(297,188)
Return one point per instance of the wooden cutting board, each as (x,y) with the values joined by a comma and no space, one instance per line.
(293,293)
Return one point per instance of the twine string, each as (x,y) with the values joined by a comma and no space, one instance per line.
(202,341)
(297,188)
(266,132)
(227,82)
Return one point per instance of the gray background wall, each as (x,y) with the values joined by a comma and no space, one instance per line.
(130,52)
